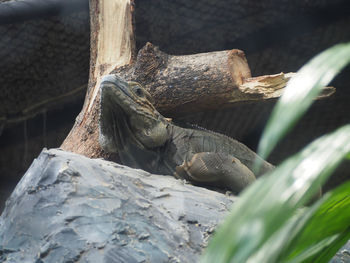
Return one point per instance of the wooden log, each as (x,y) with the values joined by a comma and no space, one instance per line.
(191,83)
(179,84)
(112,46)
(202,82)
(271,86)
(112,40)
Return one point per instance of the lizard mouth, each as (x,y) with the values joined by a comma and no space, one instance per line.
(125,114)
(116,99)
(116,84)
(116,92)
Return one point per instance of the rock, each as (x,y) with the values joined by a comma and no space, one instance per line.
(343,255)
(69,208)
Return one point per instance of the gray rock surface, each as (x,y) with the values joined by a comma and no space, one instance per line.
(68,208)
(343,255)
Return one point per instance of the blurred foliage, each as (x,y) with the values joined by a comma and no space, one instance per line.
(270,222)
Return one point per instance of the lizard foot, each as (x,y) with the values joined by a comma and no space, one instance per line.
(216,169)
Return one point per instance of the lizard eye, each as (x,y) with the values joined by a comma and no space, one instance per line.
(139,91)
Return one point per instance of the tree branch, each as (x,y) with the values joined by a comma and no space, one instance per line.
(179,84)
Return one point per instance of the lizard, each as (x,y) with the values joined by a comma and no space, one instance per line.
(130,126)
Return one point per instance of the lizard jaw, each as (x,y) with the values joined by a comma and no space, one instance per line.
(145,124)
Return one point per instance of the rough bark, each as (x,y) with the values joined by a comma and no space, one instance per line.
(112,45)
(186,84)
(179,84)
(192,83)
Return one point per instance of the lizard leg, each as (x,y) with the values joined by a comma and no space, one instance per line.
(216,169)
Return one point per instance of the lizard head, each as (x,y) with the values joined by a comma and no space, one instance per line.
(128,116)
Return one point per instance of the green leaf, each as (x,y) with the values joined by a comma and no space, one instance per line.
(311,252)
(329,251)
(272,248)
(300,92)
(272,200)
(330,222)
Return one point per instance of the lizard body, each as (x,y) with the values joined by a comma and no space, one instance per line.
(131,127)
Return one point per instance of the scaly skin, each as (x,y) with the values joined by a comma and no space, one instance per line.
(131,127)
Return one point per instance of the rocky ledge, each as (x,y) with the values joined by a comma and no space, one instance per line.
(69,208)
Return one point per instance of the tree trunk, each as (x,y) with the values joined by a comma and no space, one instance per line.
(112,45)
(179,84)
